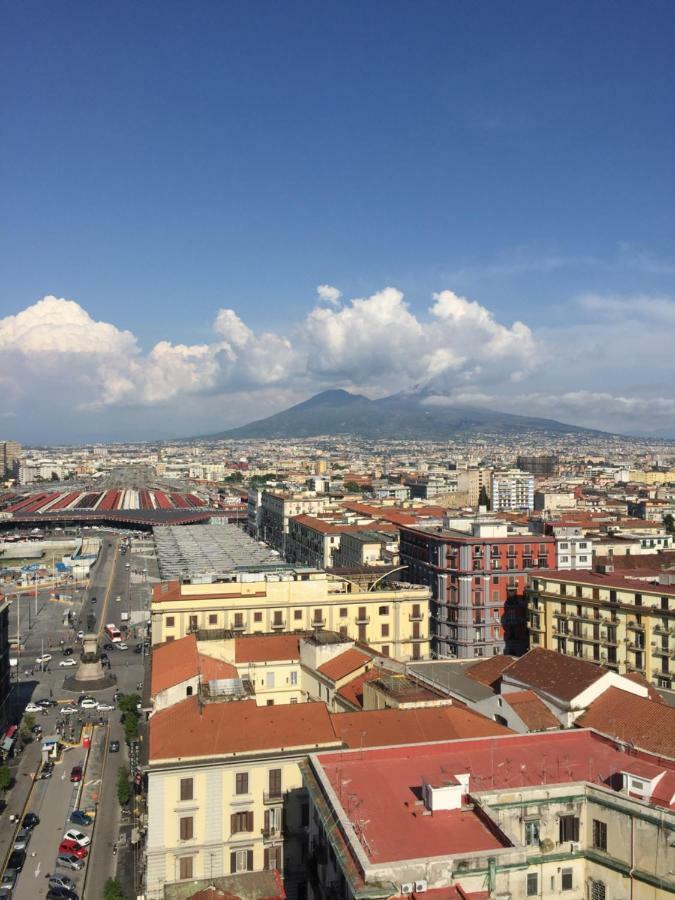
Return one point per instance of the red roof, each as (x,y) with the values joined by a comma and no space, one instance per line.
(352,692)
(533,712)
(189,730)
(344,664)
(488,671)
(633,720)
(609,580)
(553,673)
(177,661)
(266,647)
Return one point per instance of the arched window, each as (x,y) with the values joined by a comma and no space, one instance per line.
(188,690)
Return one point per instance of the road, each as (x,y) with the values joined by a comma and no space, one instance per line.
(53,799)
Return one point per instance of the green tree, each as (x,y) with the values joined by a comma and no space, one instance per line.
(123,786)
(26,728)
(352,487)
(112,890)
(483,499)
(129,702)
(233,478)
(5,778)
(669,522)
(130,726)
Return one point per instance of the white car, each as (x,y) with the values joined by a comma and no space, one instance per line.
(89,703)
(44,659)
(66,663)
(105,707)
(82,839)
(118,599)
(122,646)
(68,709)
(80,634)
(33,707)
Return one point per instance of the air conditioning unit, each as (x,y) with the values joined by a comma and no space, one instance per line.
(575,846)
(420,887)
(407,888)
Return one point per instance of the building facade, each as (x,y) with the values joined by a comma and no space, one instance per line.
(392,618)
(277,507)
(477,582)
(621,623)
(512,491)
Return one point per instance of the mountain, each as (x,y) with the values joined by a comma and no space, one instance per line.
(400,416)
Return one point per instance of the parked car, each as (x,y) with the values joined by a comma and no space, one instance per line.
(44,659)
(61,893)
(47,770)
(46,703)
(118,599)
(33,708)
(69,861)
(30,820)
(114,747)
(78,817)
(5,893)
(74,848)
(9,879)
(67,663)
(89,703)
(61,881)
(68,709)
(122,646)
(16,860)
(105,707)
(67,651)
(108,646)
(76,773)
(22,838)
(79,836)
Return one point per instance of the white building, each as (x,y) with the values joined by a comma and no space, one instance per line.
(512,490)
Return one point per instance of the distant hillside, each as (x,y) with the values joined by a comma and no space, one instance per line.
(403,416)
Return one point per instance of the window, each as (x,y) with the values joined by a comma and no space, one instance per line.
(185,868)
(566,879)
(343,612)
(241,821)
(383,610)
(297,614)
(270,703)
(569,828)
(241,861)
(272,857)
(192,623)
(170,621)
(385,630)
(213,618)
(532,884)
(188,690)
(599,835)
(186,789)
(186,828)
(531,827)
(269,680)
(597,890)
(294,678)
(275,782)
(385,650)
(241,783)
(257,617)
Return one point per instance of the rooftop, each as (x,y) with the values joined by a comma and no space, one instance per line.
(557,675)
(634,720)
(533,712)
(344,664)
(177,661)
(616,580)
(256,648)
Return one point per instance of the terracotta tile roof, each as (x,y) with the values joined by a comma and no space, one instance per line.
(212,669)
(636,720)
(489,671)
(382,727)
(352,692)
(560,676)
(652,693)
(173,663)
(617,580)
(187,730)
(534,713)
(266,647)
(344,664)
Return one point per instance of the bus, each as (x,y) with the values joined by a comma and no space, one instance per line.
(113,632)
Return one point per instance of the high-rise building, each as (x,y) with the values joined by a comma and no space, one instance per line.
(512,491)
(478,580)
(10,454)
(538,465)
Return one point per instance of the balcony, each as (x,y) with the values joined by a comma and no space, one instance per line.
(660,629)
(271,834)
(275,797)
(416,617)
(637,647)
(362,620)
(634,626)
(238,626)
(278,625)
(318,623)
(661,651)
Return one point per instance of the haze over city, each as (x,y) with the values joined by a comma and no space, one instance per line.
(237,208)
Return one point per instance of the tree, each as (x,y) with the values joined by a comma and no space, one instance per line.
(128,702)
(352,487)
(26,728)
(669,522)
(112,890)
(483,499)
(5,778)
(233,478)
(123,786)
(130,726)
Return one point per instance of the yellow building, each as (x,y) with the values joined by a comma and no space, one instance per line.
(392,618)
(621,623)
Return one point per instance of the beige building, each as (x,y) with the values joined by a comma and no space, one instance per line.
(277,507)
(393,618)
(621,623)
(471,480)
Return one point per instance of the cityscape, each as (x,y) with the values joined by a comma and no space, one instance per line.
(337,452)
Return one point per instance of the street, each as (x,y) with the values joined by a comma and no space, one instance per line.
(115,574)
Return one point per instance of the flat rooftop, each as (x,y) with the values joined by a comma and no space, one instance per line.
(198,549)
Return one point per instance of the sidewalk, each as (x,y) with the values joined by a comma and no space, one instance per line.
(16,798)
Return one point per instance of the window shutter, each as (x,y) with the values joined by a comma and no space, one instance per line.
(575,829)
(267,820)
(249,821)
(233,827)
(267,858)
(233,862)
(249,858)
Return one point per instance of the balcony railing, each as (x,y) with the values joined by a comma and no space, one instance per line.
(271,833)
(416,617)
(238,626)
(278,625)
(273,797)
(318,623)
(363,620)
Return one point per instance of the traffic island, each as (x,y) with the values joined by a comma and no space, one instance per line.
(90,675)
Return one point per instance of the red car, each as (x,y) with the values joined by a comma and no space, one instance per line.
(76,773)
(74,848)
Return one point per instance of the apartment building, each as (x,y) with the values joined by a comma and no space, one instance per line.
(393,617)
(277,507)
(377,546)
(512,491)
(543,465)
(550,815)
(573,549)
(10,457)
(622,623)
(472,481)
(477,580)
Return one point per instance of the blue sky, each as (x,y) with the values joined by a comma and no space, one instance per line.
(162,161)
